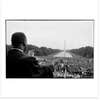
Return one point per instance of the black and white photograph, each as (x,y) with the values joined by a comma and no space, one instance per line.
(53,49)
(49,49)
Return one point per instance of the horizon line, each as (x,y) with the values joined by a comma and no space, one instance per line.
(58,48)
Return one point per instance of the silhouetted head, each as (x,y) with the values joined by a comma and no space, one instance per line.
(19,40)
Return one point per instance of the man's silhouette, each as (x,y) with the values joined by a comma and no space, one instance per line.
(20,65)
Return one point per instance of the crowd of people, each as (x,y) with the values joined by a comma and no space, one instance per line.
(22,65)
(75,68)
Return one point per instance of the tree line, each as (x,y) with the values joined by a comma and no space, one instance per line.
(87,51)
(38,51)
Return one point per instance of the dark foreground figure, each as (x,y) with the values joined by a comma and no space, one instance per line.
(20,65)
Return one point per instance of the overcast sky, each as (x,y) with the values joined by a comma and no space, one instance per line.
(53,33)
